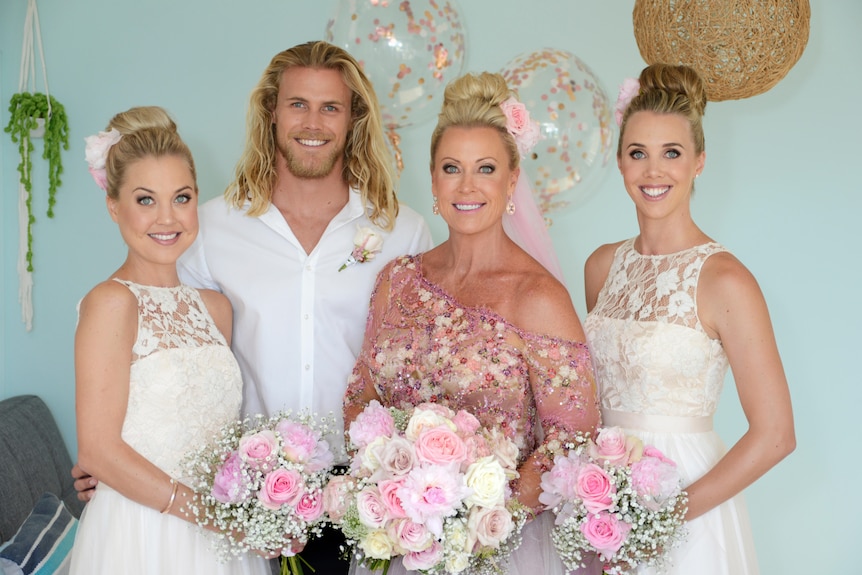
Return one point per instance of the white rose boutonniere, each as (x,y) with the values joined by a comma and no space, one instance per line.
(367,243)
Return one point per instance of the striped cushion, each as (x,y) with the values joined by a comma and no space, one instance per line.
(42,544)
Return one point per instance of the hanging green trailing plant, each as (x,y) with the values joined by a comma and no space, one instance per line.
(25,110)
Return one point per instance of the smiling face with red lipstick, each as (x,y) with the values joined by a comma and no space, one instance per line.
(658,161)
(156,210)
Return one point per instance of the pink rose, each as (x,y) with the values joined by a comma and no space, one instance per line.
(652,451)
(595,489)
(337,496)
(374,421)
(615,447)
(309,508)
(298,440)
(518,123)
(258,449)
(466,423)
(477,448)
(489,526)
(504,449)
(228,484)
(409,535)
(372,511)
(281,487)
(440,446)
(606,533)
(389,496)
(419,560)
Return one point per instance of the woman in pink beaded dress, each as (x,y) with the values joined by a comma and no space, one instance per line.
(669,310)
(477,323)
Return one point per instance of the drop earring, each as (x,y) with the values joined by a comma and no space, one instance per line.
(510,207)
(435,209)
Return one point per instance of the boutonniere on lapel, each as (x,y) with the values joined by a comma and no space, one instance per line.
(367,243)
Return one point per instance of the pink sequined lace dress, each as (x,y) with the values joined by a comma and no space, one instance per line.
(422,345)
(660,376)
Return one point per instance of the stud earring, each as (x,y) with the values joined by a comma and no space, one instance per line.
(510,207)
(435,209)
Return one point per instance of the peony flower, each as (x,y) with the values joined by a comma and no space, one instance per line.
(595,488)
(606,532)
(628,90)
(560,483)
(281,487)
(228,485)
(655,479)
(489,526)
(298,440)
(431,493)
(440,446)
(374,421)
(487,480)
(258,449)
(615,447)
(321,459)
(419,560)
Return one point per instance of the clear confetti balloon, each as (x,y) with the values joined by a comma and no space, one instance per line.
(409,49)
(574,115)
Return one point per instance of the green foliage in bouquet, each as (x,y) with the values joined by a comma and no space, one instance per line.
(25,110)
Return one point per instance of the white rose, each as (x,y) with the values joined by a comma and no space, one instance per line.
(487,478)
(489,527)
(371,455)
(426,419)
(369,240)
(377,545)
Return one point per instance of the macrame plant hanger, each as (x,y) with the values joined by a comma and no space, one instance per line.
(27,76)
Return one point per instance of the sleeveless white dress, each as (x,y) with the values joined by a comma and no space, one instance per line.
(184,385)
(660,377)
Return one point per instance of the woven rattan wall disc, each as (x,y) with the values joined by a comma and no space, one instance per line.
(741,48)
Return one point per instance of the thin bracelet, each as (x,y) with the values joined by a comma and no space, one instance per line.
(173,496)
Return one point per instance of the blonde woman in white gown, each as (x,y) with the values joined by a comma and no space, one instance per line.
(669,311)
(153,372)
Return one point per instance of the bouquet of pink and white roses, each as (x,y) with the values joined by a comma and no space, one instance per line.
(260,484)
(430,486)
(615,497)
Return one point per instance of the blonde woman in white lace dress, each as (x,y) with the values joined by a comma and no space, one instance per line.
(669,311)
(154,375)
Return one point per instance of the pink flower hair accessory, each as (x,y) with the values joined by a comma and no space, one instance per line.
(628,90)
(519,124)
(96,154)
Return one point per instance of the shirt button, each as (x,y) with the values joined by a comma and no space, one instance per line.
(307,367)
(308,268)
(305,316)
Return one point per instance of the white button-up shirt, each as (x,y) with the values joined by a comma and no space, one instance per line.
(298,322)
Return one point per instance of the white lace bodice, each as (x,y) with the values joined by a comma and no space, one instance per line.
(184,381)
(649,349)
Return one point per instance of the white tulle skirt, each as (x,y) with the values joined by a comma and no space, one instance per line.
(535,556)
(117,535)
(718,542)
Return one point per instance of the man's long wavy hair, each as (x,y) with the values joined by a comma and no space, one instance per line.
(368,164)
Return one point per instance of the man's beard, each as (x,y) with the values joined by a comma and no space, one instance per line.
(310,168)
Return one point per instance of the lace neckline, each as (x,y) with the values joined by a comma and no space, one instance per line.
(482,310)
(150,287)
(630,245)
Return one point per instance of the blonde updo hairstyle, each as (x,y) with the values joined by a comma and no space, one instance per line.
(148,131)
(667,89)
(473,101)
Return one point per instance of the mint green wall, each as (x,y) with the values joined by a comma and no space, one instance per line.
(780,190)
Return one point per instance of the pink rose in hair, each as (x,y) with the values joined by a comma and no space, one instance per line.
(310,506)
(628,90)
(595,488)
(228,483)
(518,123)
(374,421)
(281,487)
(258,450)
(615,447)
(606,532)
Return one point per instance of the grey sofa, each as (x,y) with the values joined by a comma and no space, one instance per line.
(33,460)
